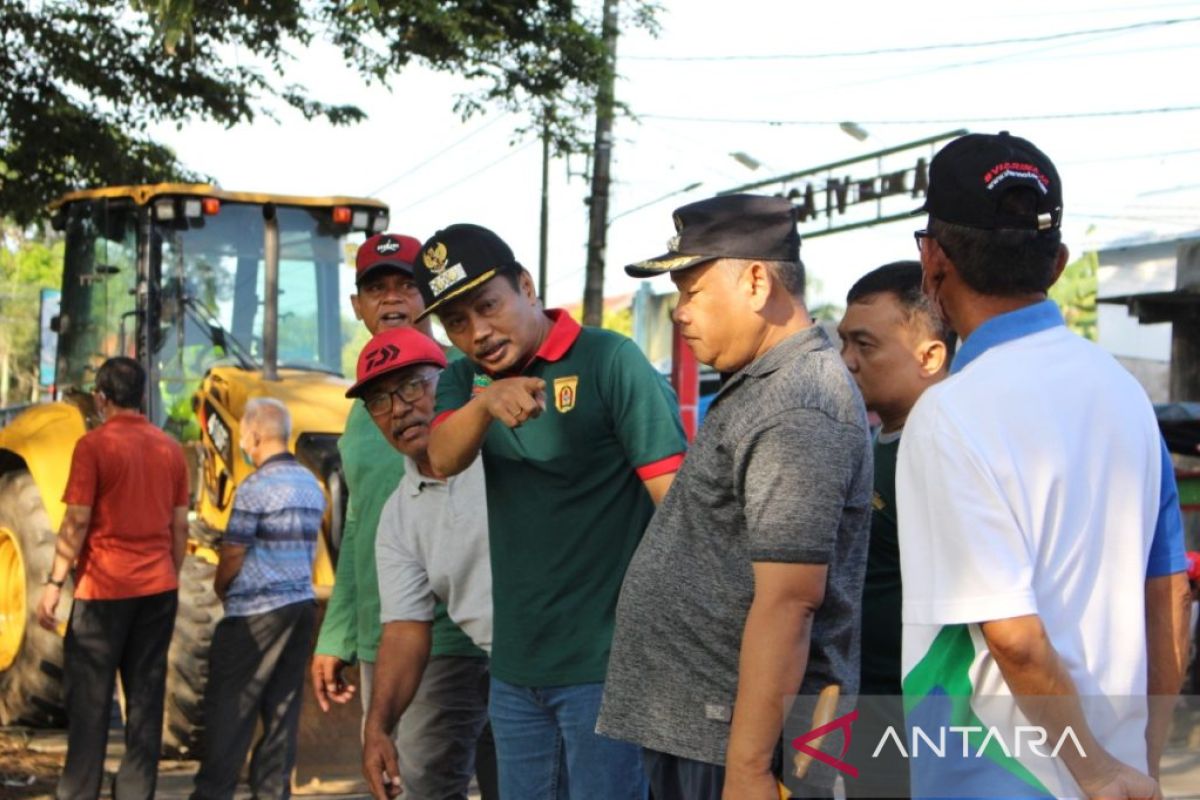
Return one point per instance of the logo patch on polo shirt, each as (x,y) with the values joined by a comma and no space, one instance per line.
(564,393)
(480,383)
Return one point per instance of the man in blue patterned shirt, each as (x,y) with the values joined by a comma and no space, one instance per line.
(261,647)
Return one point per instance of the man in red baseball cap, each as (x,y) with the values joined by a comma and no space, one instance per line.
(386,298)
(387,295)
(431,546)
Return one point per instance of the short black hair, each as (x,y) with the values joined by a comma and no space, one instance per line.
(1005,262)
(123,381)
(512,273)
(790,275)
(902,280)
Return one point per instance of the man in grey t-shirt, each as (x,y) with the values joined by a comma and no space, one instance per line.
(431,546)
(744,591)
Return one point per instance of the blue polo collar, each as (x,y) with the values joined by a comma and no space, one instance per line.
(1005,328)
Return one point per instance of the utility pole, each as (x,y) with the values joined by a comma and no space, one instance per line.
(545,228)
(593,287)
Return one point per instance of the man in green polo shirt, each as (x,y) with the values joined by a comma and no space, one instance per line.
(896,346)
(580,438)
(387,297)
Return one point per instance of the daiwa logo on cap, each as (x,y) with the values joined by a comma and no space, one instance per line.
(385,354)
(386,246)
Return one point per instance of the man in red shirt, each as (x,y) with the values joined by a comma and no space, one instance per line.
(124,530)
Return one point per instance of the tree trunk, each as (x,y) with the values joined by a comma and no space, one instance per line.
(593,287)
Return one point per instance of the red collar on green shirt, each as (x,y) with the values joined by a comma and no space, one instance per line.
(563,333)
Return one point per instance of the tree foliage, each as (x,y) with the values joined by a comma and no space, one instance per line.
(1075,294)
(81,81)
(27,265)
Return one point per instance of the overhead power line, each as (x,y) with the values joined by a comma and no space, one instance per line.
(447,187)
(923,48)
(428,159)
(1133,157)
(941,121)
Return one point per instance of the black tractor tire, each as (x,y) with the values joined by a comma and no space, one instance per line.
(31,689)
(187,660)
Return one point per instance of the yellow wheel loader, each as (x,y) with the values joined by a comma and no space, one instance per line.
(222,296)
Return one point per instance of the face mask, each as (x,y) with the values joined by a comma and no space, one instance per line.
(245,455)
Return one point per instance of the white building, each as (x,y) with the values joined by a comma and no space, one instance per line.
(1149,303)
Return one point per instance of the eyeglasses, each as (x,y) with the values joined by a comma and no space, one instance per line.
(921,236)
(924,234)
(410,391)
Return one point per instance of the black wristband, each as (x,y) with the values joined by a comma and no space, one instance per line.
(50,580)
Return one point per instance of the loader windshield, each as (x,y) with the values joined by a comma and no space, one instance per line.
(97,317)
(200,282)
(217,268)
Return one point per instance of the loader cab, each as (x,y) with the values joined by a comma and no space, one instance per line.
(185,277)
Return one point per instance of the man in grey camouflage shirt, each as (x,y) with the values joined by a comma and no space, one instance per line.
(745,589)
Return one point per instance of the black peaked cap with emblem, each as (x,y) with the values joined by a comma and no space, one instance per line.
(969,177)
(729,226)
(457,259)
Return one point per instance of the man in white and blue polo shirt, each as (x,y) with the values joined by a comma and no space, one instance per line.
(1040,535)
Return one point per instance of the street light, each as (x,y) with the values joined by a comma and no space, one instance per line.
(853,129)
(746,160)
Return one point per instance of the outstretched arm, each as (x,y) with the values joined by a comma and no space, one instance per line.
(458,436)
(403,652)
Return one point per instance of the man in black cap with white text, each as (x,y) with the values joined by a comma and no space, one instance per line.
(745,590)
(1040,539)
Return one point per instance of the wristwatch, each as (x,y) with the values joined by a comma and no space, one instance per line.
(50,580)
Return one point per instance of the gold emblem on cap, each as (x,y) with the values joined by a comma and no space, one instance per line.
(435,258)
(443,282)
(665,264)
(673,244)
